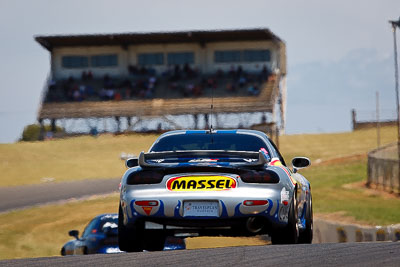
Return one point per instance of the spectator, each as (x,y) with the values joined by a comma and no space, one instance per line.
(242,81)
(110,93)
(220,73)
(77,95)
(230,87)
(89,75)
(117,96)
(103,94)
(82,91)
(253,90)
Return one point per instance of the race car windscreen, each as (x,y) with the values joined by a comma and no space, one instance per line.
(220,141)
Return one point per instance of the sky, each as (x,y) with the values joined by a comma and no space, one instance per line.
(340,53)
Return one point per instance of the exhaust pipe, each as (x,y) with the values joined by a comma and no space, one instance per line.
(254,224)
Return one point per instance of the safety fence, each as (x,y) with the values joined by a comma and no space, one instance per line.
(383,168)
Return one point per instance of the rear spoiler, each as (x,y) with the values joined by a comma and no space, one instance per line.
(256,159)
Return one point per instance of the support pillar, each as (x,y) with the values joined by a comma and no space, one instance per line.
(207,125)
(118,120)
(53,125)
(41,132)
(196,121)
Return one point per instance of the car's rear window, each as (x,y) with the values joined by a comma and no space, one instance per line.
(225,141)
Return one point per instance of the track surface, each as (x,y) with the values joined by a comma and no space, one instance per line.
(340,254)
(17,197)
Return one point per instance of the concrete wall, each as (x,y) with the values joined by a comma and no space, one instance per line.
(334,232)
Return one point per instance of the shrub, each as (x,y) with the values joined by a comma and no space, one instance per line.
(32,132)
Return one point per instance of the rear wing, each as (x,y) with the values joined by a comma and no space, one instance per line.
(155,159)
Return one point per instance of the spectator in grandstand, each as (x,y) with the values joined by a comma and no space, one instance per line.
(52,85)
(177,73)
(90,90)
(197,90)
(110,94)
(82,91)
(117,96)
(143,70)
(220,73)
(242,81)
(84,76)
(188,90)
(265,72)
(230,87)
(77,95)
(239,71)
(232,71)
(152,81)
(151,71)
(211,83)
(133,70)
(148,93)
(103,94)
(253,90)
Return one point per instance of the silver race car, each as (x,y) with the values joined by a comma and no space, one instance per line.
(215,183)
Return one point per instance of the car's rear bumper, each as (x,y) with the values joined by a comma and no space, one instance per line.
(232,215)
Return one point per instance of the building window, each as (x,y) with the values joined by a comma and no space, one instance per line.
(256,55)
(232,56)
(227,56)
(180,58)
(151,59)
(72,62)
(104,60)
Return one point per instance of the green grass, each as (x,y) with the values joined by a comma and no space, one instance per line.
(89,158)
(334,145)
(41,231)
(68,159)
(330,194)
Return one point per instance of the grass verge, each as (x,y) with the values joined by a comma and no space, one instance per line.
(89,157)
(42,231)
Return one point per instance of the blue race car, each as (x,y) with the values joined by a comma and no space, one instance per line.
(99,236)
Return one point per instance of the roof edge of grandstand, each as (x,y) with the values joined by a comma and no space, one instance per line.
(132,38)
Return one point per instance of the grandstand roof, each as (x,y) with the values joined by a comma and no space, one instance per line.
(125,39)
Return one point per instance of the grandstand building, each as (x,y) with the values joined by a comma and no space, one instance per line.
(134,78)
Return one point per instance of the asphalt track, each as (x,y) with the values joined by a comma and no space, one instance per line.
(339,254)
(17,197)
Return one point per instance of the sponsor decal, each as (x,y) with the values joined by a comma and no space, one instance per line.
(203,160)
(276,162)
(284,196)
(147,210)
(266,154)
(250,160)
(201,183)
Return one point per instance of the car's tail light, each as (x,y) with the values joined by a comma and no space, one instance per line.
(147,203)
(255,202)
(264,176)
(145,177)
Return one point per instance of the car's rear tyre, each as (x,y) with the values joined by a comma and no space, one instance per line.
(155,241)
(306,236)
(130,239)
(290,233)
